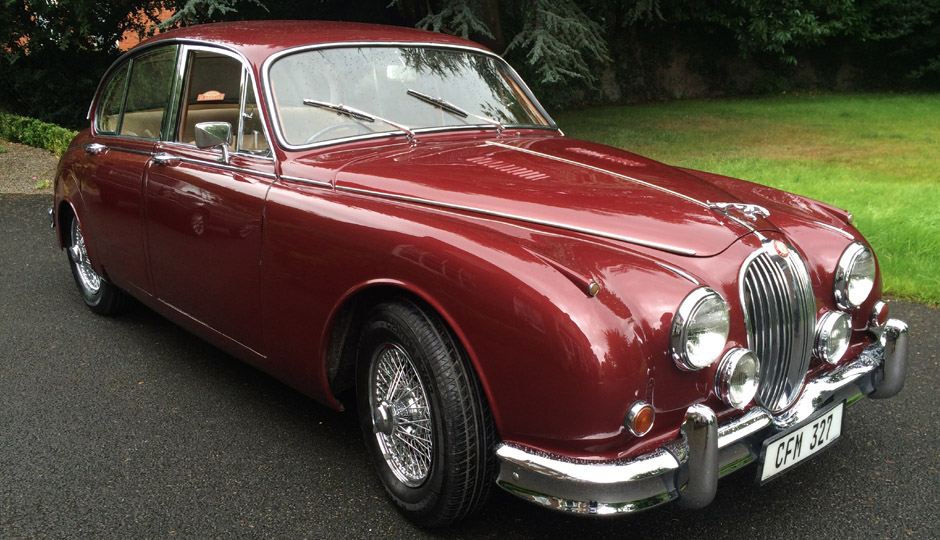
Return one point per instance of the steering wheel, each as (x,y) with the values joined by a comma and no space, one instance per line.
(361,129)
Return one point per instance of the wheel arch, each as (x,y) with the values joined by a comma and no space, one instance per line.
(65,211)
(351,314)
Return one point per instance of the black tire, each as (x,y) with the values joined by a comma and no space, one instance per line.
(99,295)
(437,399)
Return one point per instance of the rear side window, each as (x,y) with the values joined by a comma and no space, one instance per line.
(148,93)
(112,100)
(135,97)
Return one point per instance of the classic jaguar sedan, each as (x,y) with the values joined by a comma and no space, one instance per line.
(390,211)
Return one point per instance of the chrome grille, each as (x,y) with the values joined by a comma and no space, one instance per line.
(779,310)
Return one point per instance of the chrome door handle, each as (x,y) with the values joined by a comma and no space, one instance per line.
(95,148)
(163,159)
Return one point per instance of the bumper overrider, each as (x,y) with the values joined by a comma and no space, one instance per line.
(688,468)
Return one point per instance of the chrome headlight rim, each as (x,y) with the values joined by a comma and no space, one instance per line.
(825,328)
(846,271)
(682,322)
(730,365)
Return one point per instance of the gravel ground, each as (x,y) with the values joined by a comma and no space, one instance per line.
(23,167)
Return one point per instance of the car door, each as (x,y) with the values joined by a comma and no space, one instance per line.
(128,121)
(204,213)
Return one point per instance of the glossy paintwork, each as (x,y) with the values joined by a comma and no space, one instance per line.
(558,180)
(111,190)
(498,233)
(204,238)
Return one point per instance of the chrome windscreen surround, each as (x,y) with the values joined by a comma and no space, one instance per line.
(780,315)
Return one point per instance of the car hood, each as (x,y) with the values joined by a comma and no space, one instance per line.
(559,182)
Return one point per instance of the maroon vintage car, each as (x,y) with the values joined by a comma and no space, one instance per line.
(353,206)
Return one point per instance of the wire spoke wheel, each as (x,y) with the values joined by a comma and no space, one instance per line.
(401,416)
(425,420)
(99,294)
(88,279)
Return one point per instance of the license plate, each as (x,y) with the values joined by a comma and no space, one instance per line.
(788,449)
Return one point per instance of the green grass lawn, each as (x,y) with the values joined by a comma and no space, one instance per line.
(876,155)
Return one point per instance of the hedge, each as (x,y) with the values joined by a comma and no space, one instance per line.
(36,133)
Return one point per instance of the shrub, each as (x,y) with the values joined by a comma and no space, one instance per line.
(36,133)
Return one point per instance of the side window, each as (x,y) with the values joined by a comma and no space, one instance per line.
(148,93)
(112,99)
(251,137)
(213,94)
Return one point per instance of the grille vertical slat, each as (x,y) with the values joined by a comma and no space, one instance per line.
(780,314)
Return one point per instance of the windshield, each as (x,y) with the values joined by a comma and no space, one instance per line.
(421,88)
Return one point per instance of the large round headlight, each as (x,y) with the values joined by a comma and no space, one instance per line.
(699,329)
(833,332)
(855,276)
(737,377)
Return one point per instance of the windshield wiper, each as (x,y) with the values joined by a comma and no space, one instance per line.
(445,105)
(362,116)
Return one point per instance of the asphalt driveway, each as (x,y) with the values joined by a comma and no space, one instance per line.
(131,428)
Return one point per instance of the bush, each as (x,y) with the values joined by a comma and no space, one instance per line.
(35,133)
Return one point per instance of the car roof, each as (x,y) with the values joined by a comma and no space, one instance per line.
(259,39)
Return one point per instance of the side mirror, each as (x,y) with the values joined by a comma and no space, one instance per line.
(214,135)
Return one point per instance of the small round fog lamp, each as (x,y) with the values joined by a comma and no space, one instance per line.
(737,378)
(833,332)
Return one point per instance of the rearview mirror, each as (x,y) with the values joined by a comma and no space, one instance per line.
(213,135)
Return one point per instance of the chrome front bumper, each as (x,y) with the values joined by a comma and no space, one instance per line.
(689,467)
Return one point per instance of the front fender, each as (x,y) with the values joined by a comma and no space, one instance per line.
(560,368)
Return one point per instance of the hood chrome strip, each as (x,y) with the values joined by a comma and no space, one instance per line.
(624,177)
(572,228)
(598,169)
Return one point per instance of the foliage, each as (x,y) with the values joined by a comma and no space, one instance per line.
(53,52)
(774,27)
(204,11)
(36,133)
(458,17)
(560,41)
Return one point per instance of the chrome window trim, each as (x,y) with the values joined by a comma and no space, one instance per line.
(230,168)
(95,109)
(212,163)
(176,89)
(318,183)
(245,69)
(534,221)
(96,113)
(275,124)
(119,148)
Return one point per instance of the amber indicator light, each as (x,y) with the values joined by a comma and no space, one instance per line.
(640,418)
